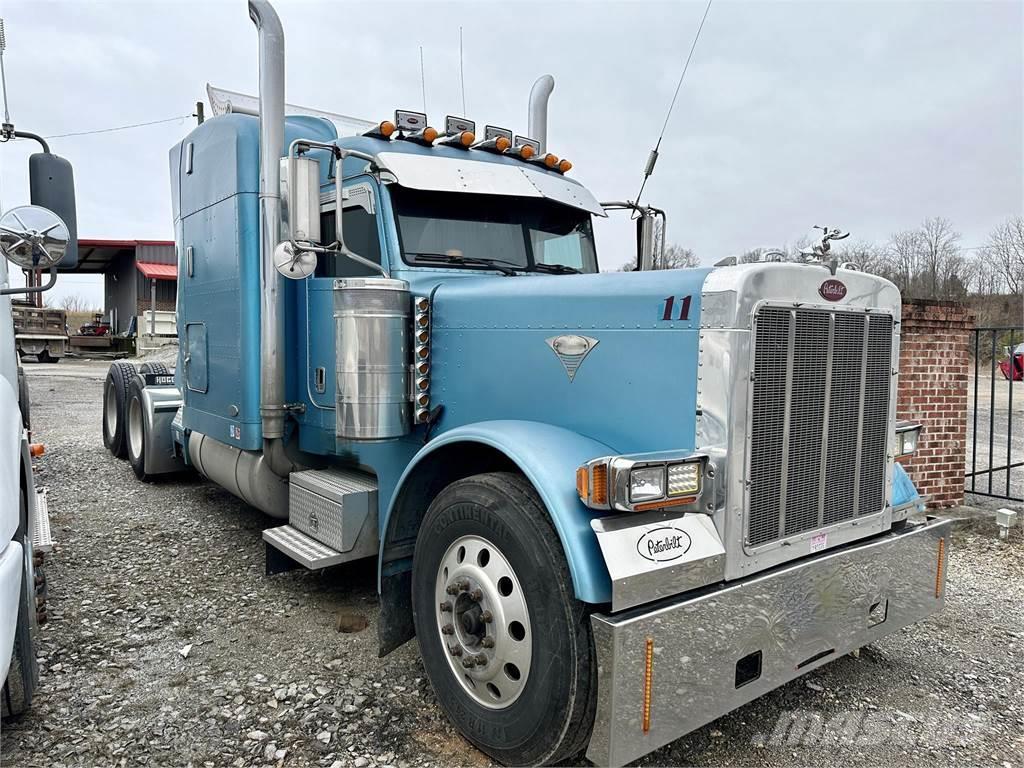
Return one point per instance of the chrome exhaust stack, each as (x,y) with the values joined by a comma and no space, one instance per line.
(537,118)
(271,118)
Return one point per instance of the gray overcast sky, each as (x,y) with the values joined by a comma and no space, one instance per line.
(865,115)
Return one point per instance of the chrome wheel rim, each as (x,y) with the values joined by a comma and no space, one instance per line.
(110,410)
(483,622)
(134,428)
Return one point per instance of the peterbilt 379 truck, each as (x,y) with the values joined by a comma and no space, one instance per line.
(610,507)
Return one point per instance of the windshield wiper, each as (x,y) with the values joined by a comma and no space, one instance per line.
(505,267)
(556,269)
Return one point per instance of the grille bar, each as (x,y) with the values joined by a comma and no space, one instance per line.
(819,419)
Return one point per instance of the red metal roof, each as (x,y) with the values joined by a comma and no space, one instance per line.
(158,271)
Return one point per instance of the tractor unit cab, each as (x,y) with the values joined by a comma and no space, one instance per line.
(664,492)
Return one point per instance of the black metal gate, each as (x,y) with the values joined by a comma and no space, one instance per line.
(995,458)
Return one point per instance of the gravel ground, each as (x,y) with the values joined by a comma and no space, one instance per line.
(167,646)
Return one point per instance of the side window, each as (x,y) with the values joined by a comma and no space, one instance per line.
(360,230)
(551,248)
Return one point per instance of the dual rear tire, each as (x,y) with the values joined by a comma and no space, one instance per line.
(116,404)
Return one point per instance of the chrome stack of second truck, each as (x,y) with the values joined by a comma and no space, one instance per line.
(610,507)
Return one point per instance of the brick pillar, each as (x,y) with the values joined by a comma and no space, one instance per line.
(934,364)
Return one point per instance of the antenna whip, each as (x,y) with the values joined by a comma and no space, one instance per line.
(653,157)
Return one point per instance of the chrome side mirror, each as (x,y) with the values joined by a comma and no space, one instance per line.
(33,237)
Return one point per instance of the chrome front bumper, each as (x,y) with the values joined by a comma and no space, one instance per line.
(666,670)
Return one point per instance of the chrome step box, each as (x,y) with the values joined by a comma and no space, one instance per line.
(332,516)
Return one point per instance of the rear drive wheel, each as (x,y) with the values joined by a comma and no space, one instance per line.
(507,647)
(135,428)
(115,398)
(157,368)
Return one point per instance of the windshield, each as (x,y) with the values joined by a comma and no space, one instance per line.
(476,231)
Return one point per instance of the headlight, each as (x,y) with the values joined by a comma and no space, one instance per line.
(907,436)
(684,479)
(646,484)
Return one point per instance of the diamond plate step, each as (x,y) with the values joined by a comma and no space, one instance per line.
(301,548)
(39,524)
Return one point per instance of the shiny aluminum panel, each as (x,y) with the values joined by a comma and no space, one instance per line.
(372,329)
(790,434)
(729,300)
(301,548)
(798,617)
(657,555)
(337,507)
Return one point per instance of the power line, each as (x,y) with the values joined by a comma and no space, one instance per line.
(117,128)
(654,153)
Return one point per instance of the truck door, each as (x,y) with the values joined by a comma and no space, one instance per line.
(363,235)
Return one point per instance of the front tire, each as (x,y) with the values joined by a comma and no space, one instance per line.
(506,645)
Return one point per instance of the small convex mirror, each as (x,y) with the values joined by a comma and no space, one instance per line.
(33,237)
(294,265)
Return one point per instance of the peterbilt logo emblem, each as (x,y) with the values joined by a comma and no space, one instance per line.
(571,350)
(832,290)
(314,522)
(663,544)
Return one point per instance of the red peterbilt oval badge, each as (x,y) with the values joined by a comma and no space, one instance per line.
(832,290)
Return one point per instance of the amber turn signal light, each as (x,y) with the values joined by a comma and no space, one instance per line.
(36,449)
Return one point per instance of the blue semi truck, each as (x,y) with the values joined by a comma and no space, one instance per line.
(610,507)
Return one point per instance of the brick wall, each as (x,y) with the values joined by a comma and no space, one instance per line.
(934,362)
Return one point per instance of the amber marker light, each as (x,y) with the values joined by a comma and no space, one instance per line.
(36,449)
(564,166)
(526,152)
(429,134)
(648,679)
(550,160)
(940,567)
(600,472)
(663,503)
(501,143)
(467,138)
(583,483)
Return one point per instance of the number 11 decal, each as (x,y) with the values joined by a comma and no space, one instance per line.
(684,308)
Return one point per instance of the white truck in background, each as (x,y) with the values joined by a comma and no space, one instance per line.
(36,240)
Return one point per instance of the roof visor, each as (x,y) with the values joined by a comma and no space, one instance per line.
(449,174)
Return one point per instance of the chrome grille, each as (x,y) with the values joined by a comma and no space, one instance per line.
(819,419)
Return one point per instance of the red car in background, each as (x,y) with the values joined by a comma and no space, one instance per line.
(1013,366)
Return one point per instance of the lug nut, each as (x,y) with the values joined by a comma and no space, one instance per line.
(467,663)
(487,617)
(455,650)
(445,607)
(448,629)
(480,660)
(487,642)
(476,595)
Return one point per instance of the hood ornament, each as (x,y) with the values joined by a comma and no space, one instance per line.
(571,350)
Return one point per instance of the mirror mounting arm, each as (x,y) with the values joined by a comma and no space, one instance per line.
(34,137)
(35,288)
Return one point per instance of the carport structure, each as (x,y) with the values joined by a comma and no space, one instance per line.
(139,276)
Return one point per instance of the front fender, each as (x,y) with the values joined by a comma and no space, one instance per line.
(548,456)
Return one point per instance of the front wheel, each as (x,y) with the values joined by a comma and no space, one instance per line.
(506,645)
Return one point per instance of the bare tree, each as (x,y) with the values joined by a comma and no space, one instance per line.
(928,262)
(677,257)
(76,302)
(1004,254)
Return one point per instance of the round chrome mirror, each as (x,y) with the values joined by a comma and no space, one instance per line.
(33,237)
(294,265)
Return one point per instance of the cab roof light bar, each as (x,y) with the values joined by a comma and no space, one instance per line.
(412,126)
(496,140)
(458,132)
(524,148)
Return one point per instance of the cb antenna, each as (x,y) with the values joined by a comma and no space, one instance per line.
(462,76)
(7,127)
(653,157)
(423,80)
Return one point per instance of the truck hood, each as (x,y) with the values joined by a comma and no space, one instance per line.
(611,356)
